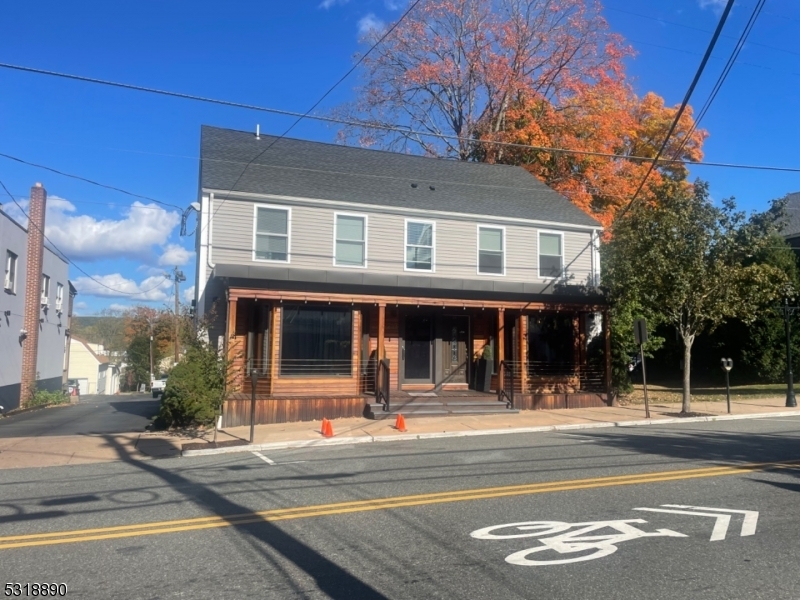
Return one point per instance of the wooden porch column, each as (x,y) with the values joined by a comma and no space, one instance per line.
(274,336)
(501,349)
(232,344)
(607,339)
(522,329)
(355,355)
(380,352)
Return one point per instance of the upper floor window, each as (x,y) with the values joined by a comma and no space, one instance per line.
(491,250)
(551,254)
(350,241)
(272,228)
(10,281)
(59,296)
(45,289)
(420,245)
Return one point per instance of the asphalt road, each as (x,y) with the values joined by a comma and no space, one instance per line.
(394,520)
(94,414)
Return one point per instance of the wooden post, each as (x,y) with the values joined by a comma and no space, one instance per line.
(522,328)
(607,339)
(381,333)
(501,349)
(274,336)
(233,342)
(355,355)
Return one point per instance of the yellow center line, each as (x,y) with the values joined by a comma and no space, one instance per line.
(302,512)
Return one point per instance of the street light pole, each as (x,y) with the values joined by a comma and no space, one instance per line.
(791,401)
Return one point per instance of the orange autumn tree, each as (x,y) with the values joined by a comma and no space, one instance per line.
(454,67)
(606,118)
(456,74)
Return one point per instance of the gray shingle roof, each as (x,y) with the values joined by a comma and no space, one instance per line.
(792,228)
(306,169)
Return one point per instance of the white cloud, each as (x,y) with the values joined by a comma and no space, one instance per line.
(370,23)
(84,237)
(188,294)
(326,4)
(392,4)
(116,307)
(152,289)
(80,306)
(175,255)
(715,5)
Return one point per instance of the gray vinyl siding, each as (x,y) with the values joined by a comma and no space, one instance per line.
(312,247)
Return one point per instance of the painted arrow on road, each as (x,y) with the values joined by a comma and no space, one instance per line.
(723,519)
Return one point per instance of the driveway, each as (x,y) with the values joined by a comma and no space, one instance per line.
(97,429)
(93,415)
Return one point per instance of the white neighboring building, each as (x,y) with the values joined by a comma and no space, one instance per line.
(95,372)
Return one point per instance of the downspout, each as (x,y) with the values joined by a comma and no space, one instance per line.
(209,238)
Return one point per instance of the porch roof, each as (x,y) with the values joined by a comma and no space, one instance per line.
(401,288)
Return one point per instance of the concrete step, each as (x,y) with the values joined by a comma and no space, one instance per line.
(475,403)
(500,410)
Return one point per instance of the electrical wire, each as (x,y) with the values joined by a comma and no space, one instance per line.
(86,180)
(72,262)
(396,128)
(317,103)
(724,74)
(683,106)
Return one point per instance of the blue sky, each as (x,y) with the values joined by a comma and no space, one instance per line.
(286,55)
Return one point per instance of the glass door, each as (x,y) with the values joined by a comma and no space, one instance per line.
(417,345)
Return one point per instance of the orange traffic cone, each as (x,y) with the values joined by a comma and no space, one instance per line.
(327,428)
(400,424)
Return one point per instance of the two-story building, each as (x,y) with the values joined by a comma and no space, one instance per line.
(338,274)
(35,308)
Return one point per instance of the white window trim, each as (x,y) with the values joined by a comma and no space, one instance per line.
(288,233)
(538,254)
(9,282)
(406,244)
(366,239)
(59,295)
(45,290)
(478,249)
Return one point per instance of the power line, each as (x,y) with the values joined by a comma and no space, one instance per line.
(318,102)
(69,260)
(684,104)
(395,128)
(86,180)
(724,74)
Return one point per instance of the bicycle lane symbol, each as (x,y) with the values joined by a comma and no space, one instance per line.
(584,540)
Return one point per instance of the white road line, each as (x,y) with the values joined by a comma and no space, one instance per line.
(720,526)
(264,458)
(750,516)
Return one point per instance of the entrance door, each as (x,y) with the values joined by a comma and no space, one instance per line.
(417,349)
(455,336)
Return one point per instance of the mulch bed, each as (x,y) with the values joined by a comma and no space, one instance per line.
(205,445)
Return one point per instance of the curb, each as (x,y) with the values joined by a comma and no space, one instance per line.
(367,439)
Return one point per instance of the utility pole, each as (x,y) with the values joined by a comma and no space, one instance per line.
(177,277)
(150,322)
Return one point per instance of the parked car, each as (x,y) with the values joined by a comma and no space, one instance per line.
(157,386)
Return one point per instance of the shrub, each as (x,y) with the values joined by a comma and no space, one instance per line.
(195,388)
(44,397)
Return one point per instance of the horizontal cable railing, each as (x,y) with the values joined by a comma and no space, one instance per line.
(539,377)
(290,367)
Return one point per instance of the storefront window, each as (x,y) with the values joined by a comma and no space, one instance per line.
(316,341)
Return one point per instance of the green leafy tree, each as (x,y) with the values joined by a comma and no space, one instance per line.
(693,264)
(197,386)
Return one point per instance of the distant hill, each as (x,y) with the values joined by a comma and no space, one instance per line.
(108,331)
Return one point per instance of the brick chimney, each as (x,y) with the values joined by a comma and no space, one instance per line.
(33,291)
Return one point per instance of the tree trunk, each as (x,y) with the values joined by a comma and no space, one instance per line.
(688,340)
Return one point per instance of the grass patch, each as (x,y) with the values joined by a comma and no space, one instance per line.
(673,392)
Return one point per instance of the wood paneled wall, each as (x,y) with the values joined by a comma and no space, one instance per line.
(289,410)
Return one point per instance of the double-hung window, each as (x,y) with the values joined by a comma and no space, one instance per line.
(10,281)
(420,245)
(59,296)
(350,240)
(272,227)
(491,250)
(551,255)
(45,289)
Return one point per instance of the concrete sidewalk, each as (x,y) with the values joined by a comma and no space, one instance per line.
(357,430)
(43,450)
